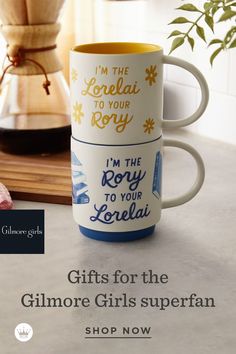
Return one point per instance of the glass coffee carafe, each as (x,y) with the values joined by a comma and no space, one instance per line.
(30,120)
(34,96)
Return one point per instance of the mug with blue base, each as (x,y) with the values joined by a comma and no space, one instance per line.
(117,189)
(117,144)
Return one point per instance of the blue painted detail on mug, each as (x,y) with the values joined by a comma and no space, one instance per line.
(75,160)
(79,185)
(76,174)
(81,199)
(156,185)
(117,236)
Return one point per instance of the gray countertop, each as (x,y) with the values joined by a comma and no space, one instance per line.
(194,244)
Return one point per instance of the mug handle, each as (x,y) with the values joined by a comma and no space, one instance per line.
(168,203)
(170,124)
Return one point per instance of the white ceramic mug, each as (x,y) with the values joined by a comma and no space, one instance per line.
(117,89)
(116,105)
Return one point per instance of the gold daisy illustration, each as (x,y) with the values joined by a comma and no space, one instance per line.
(151,74)
(74,75)
(149,125)
(77,112)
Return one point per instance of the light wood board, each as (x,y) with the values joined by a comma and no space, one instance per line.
(41,178)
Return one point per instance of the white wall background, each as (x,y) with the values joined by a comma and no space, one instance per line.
(147,20)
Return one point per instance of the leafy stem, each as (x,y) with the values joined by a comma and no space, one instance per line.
(213,11)
(194,24)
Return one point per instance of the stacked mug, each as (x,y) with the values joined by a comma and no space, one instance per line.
(117,143)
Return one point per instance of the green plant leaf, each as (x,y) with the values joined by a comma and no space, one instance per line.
(214,9)
(174,33)
(227,15)
(177,42)
(191,42)
(233,44)
(215,41)
(200,31)
(210,22)
(214,55)
(188,7)
(207,6)
(231,31)
(226,8)
(229,35)
(180,20)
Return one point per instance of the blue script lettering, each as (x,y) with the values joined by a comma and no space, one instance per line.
(112,179)
(107,217)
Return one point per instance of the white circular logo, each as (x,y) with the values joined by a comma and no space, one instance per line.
(23,332)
